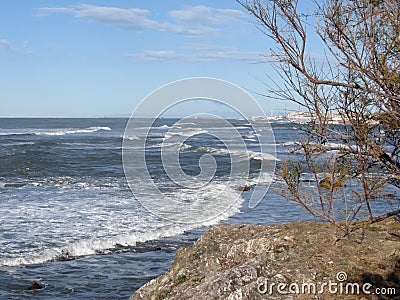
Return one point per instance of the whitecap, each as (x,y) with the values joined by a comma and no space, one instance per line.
(73,131)
(202,202)
(52,132)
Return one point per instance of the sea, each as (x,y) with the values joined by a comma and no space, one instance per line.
(72,221)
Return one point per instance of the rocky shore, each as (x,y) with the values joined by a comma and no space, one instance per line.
(283,262)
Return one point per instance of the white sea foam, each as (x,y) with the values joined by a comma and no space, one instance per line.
(52,132)
(290,143)
(80,228)
(211,203)
(262,179)
(131,138)
(244,154)
(73,131)
(186,123)
(187,133)
(165,126)
(174,146)
(244,126)
(87,247)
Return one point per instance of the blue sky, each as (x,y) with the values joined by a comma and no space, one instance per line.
(96,58)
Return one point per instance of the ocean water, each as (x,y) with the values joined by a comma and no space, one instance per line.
(69,220)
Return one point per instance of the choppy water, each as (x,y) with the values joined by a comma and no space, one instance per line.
(68,218)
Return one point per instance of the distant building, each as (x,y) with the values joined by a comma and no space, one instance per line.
(305,117)
(299,116)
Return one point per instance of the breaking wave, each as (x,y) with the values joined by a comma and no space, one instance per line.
(53,132)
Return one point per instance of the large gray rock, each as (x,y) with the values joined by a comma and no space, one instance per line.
(234,261)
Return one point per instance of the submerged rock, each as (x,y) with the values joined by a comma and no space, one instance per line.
(245,188)
(326,183)
(243,261)
(35,286)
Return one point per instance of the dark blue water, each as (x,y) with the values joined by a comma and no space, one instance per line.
(69,220)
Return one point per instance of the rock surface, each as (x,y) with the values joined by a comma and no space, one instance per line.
(35,286)
(242,262)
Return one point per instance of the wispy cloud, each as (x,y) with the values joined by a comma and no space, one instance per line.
(157,55)
(204,19)
(45,11)
(206,15)
(205,54)
(6,45)
(134,18)
(197,20)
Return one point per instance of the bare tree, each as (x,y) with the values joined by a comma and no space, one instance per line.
(355,82)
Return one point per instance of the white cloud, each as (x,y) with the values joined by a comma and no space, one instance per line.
(197,20)
(134,18)
(206,47)
(6,45)
(251,57)
(206,15)
(203,20)
(129,18)
(45,11)
(157,55)
(209,54)
(9,47)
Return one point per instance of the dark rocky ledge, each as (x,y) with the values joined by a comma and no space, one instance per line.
(234,262)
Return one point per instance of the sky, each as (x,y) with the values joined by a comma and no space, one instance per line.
(101,58)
